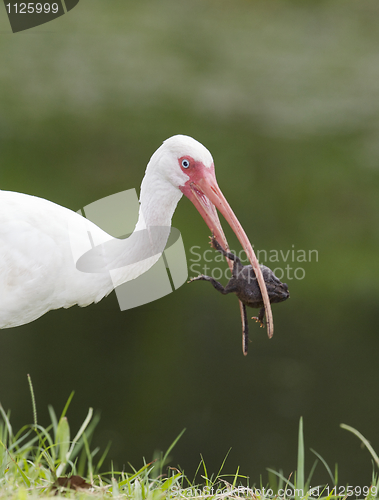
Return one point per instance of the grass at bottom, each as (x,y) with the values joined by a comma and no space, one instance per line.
(39,462)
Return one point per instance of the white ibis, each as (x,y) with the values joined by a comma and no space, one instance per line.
(37,269)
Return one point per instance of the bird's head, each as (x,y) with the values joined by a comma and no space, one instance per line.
(180,159)
(188,166)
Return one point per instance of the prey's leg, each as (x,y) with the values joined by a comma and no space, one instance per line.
(260,317)
(215,283)
(216,245)
(245,329)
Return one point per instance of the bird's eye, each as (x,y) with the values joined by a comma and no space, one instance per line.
(185,163)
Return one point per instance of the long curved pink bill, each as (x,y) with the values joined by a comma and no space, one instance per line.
(206,196)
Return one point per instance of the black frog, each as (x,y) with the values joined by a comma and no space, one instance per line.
(245,285)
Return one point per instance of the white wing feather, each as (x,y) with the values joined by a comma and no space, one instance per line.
(38,240)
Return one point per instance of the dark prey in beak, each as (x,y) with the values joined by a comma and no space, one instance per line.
(245,285)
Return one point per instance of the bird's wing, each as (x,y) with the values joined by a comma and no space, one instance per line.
(39,242)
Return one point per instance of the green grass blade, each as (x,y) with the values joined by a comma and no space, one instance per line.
(205,471)
(309,479)
(223,463)
(25,479)
(103,456)
(273,482)
(62,439)
(83,427)
(196,472)
(171,481)
(46,438)
(67,405)
(115,488)
(235,477)
(300,460)
(282,477)
(81,430)
(33,400)
(7,423)
(135,475)
(50,463)
(89,456)
(53,419)
(324,464)
(364,441)
(170,448)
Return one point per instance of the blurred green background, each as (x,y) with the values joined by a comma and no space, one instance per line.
(286,97)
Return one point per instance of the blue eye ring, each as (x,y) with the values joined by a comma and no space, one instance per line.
(185,163)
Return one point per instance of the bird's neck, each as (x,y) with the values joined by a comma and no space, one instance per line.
(158,201)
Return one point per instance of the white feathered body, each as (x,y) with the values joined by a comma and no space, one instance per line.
(37,266)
